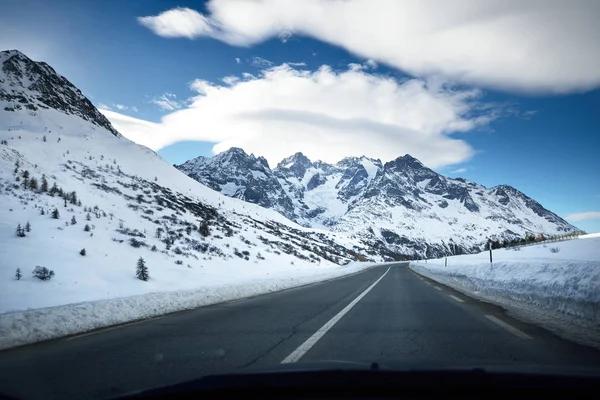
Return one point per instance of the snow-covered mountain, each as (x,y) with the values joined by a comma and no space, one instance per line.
(401,206)
(120,201)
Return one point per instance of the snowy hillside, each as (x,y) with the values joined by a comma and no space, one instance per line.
(400,207)
(120,201)
(557,284)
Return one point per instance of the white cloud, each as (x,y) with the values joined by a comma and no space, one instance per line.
(167,102)
(297,64)
(536,46)
(133,108)
(326,114)
(178,22)
(371,63)
(237,60)
(459,171)
(260,62)
(121,107)
(583,216)
(230,80)
(103,106)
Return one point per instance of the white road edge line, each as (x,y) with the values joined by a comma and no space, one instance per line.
(456,298)
(437,288)
(311,341)
(508,327)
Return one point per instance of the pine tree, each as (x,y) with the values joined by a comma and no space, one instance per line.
(19,231)
(25,183)
(82,252)
(78,203)
(25,174)
(203,229)
(18,274)
(33,183)
(73,220)
(44,186)
(44,138)
(86,228)
(88,217)
(55,213)
(65,199)
(73,198)
(142,271)
(53,189)
(42,212)
(17,165)
(27,227)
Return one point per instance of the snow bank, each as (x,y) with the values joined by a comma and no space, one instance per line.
(25,327)
(564,283)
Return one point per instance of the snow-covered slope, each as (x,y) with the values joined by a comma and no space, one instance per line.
(401,208)
(134,203)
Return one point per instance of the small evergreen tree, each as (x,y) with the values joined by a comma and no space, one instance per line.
(154,248)
(88,217)
(25,174)
(86,228)
(203,229)
(42,212)
(73,198)
(43,273)
(44,185)
(27,227)
(18,274)
(20,232)
(53,189)
(73,220)
(79,203)
(17,165)
(33,183)
(25,183)
(142,271)
(82,252)
(55,214)
(44,138)
(65,199)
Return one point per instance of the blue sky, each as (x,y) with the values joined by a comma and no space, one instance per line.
(538,130)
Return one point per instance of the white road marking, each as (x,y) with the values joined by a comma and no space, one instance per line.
(311,341)
(437,288)
(508,327)
(456,298)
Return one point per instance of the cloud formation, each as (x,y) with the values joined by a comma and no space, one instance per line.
(167,102)
(326,114)
(120,107)
(548,46)
(583,216)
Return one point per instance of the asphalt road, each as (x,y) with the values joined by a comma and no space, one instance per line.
(385,313)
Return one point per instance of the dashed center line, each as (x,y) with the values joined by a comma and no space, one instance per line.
(456,298)
(311,341)
(508,327)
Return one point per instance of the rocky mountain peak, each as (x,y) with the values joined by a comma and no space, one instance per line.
(29,85)
(295,165)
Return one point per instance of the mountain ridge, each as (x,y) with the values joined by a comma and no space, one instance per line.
(383,203)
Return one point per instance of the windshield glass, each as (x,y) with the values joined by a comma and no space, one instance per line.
(197,188)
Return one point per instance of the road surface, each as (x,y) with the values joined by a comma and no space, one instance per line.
(384,313)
